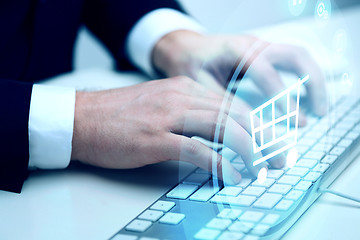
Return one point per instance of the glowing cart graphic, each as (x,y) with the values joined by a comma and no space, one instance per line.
(289,136)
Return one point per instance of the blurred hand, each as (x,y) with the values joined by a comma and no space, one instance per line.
(153,122)
(210,60)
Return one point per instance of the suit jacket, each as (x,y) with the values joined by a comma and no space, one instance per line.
(36,42)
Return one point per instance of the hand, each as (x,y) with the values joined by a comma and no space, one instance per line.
(153,122)
(210,60)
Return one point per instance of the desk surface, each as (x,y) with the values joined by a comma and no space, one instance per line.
(83,202)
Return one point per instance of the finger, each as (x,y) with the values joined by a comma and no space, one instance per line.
(242,117)
(238,140)
(190,87)
(208,80)
(269,81)
(213,104)
(193,151)
(204,123)
(299,61)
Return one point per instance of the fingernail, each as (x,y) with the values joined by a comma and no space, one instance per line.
(280,161)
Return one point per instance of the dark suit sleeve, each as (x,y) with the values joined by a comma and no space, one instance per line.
(111,21)
(14,142)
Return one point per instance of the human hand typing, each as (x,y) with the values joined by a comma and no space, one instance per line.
(211,58)
(153,122)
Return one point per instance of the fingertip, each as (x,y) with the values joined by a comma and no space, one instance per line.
(279,161)
(236,178)
(256,169)
(230,175)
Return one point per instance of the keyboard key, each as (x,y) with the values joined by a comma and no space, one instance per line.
(244,227)
(308,163)
(352,135)
(324,147)
(312,176)
(321,167)
(337,132)
(251,237)
(253,191)
(330,140)
(298,171)
(316,133)
(244,182)
(138,225)
(207,234)
(268,200)
(231,235)
(204,193)
(286,179)
(284,205)
(307,141)
(294,195)
(280,188)
(197,179)
(124,237)
(222,199)
(151,215)
(350,120)
(260,229)
(329,159)
(230,191)
(243,200)
(229,213)
(182,191)
(316,155)
(252,216)
(345,125)
(337,151)
(303,185)
(345,143)
(302,149)
(275,173)
(267,183)
(172,218)
(270,219)
(354,116)
(219,223)
(164,206)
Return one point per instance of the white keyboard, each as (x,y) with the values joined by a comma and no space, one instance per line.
(200,207)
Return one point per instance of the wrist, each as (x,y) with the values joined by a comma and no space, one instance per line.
(79,143)
(172,54)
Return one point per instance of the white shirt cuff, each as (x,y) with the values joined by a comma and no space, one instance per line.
(51,123)
(150,29)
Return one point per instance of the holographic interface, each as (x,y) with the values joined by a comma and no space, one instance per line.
(290,136)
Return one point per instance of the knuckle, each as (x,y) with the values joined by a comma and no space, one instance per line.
(193,147)
(170,96)
(186,81)
(301,52)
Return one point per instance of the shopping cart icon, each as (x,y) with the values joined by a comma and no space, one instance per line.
(289,136)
